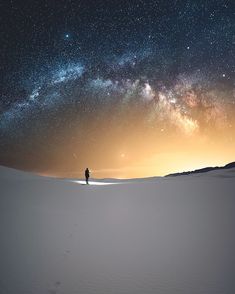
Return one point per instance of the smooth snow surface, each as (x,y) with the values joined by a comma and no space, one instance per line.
(147,236)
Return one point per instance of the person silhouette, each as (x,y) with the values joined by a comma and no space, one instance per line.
(87,175)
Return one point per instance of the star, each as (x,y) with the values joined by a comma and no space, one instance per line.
(137,67)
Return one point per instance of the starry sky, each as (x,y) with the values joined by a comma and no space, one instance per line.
(126,88)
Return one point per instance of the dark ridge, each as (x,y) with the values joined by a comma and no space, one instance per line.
(202,170)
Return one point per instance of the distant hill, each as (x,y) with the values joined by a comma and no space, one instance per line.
(203,170)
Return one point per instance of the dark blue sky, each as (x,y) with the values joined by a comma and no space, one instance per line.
(65,62)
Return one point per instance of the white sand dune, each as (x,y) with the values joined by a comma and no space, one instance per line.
(146,236)
(94,183)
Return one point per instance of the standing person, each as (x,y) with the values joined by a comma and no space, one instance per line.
(87,175)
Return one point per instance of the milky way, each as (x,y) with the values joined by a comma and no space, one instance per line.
(115,96)
(178,103)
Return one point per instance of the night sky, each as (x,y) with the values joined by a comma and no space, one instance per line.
(127,88)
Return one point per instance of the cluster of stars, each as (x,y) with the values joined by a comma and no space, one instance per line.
(164,66)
